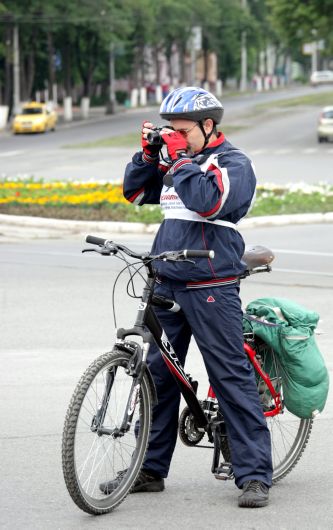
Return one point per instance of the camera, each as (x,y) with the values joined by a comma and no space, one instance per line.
(154,137)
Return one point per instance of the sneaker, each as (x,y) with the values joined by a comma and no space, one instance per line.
(146,482)
(255,494)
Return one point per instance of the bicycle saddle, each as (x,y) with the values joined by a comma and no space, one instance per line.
(257,256)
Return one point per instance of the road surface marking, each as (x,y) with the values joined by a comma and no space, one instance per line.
(282,151)
(297,271)
(304,252)
(11,153)
(309,151)
(259,152)
(278,152)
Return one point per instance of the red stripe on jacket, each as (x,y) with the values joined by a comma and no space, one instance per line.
(133,197)
(218,175)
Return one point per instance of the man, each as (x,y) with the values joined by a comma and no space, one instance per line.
(204,187)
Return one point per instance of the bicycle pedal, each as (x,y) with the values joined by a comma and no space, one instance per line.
(224,472)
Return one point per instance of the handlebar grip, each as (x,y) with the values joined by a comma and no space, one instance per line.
(96,240)
(199,254)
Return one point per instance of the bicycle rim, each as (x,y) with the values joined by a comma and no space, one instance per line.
(289,434)
(90,459)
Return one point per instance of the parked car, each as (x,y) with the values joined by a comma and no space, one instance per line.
(321,77)
(325,125)
(35,117)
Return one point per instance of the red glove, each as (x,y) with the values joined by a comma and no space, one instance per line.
(175,143)
(150,150)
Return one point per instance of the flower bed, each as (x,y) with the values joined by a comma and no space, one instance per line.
(105,201)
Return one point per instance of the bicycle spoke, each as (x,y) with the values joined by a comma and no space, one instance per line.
(289,434)
(91,457)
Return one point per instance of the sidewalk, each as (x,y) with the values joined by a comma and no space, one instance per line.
(15,227)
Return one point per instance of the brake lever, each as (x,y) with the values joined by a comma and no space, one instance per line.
(89,250)
(104,251)
(179,259)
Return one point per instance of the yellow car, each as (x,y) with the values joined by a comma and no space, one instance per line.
(34,118)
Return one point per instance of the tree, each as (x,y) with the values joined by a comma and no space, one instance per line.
(306,22)
(70,43)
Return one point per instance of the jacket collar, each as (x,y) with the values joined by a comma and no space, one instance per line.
(202,156)
(219,140)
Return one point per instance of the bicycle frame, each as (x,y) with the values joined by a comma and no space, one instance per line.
(265,377)
(146,319)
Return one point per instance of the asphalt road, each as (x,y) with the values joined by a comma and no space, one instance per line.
(56,317)
(283,145)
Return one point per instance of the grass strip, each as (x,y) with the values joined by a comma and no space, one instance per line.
(320,99)
(130,140)
(104,201)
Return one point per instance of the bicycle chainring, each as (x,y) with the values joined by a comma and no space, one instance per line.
(188,430)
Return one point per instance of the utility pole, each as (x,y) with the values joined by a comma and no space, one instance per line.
(196,45)
(314,54)
(243,80)
(16,70)
(112,100)
(314,57)
(193,65)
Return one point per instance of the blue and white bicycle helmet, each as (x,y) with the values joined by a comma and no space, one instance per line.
(191,103)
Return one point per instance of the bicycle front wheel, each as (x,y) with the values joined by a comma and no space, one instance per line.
(289,434)
(90,456)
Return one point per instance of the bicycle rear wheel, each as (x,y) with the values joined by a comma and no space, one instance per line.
(90,458)
(289,434)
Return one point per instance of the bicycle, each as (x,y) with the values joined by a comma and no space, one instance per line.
(108,420)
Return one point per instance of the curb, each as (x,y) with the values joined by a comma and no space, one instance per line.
(23,227)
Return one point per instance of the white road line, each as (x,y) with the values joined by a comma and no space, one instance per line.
(282,151)
(304,252)
(258,152)
(11,153)
(315,274)
(278,152)
(309,151)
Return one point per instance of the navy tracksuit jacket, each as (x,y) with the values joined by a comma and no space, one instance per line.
(202,199)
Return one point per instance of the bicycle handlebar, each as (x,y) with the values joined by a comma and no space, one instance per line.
(96,240)
(171,255)
(199,254)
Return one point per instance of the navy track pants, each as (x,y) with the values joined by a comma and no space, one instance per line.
(217,328)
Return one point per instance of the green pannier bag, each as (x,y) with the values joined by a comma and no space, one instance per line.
(288,329)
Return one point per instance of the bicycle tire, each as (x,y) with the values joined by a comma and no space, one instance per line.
(88,459)
(289,434)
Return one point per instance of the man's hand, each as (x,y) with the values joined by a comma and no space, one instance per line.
(150,150)
(175,142)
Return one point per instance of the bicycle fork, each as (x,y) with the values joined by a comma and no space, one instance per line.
(135,368)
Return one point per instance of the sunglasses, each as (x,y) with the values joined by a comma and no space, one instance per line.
(185,132)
